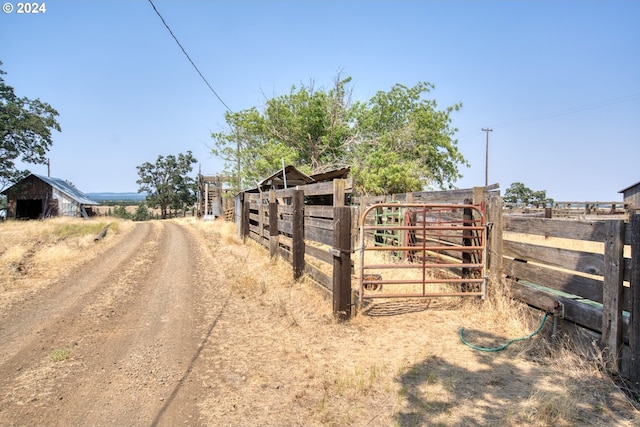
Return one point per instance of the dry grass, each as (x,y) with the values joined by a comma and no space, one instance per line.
(33,251)
(397,363)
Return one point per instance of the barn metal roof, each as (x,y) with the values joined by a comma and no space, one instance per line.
(68,189)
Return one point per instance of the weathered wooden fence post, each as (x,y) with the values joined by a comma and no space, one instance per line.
(634,330)
(467,240)
(338,192)
(612,292)
(298,234)
(494,232)
(274,233)
(246,213)
(342,262)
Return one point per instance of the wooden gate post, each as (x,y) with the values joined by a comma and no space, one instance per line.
(274,233)
(634,330)
(342,262)
(467,236)
(297,235)
(494,237)
(338,192)
(612,292)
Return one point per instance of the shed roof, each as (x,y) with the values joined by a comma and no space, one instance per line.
(291,175)
(332,174)
(63,186)
(629,187)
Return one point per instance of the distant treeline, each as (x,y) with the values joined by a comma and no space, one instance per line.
(127,199)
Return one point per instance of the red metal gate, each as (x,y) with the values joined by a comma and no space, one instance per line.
(422,250)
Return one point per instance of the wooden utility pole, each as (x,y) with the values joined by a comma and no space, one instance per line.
(486,161)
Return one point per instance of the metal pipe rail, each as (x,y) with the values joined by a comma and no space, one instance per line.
(469,234)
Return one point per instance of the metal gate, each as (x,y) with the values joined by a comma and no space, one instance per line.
(422,250)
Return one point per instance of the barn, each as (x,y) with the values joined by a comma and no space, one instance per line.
(37,197)
(631,196)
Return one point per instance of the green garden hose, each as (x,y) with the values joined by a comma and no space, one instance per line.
(502,347)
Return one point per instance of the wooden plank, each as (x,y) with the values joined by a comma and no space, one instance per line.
(449,196)
(319,276)
(584,262)
(285,209)
(298,234)
(325,224)
(245,219)
(321,254)
(338,192)
(274,234)
(319,235)
(634,334)
(286,241)
(102,233)
(612,293)
(285,226)
(593,231)
(582,314)
(495,242)
(561,281)
(325,188)
(319,211)
(342,262)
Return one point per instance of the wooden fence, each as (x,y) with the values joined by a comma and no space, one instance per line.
(589,267)
(586,272)
(311,227)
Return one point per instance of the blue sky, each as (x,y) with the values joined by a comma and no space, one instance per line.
(557,81)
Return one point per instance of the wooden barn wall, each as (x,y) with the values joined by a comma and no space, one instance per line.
(31,188)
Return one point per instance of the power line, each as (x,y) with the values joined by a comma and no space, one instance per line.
(188,57)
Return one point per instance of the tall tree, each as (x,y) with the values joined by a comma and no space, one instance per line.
(25,132)
(167,182)
(405,143)
(307,127)
(396,142)
(518,193)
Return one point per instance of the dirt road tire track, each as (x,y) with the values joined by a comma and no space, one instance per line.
(135,320)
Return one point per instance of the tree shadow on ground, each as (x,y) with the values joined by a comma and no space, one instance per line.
(499,388)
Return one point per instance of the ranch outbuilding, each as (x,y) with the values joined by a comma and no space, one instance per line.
(631,196)
(38,196)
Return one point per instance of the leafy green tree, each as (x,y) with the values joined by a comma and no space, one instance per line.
(308,127)
(142,213)
(120,211)
(396,142)
(518,193)
(167,182)
(25,132)
(404,142)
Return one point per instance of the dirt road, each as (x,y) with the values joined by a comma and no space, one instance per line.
(131,324)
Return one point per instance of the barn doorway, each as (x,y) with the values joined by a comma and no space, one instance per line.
(29,209)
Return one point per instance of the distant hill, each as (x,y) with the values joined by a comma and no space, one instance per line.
(117,197)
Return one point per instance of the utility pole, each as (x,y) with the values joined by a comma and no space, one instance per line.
(486,160)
